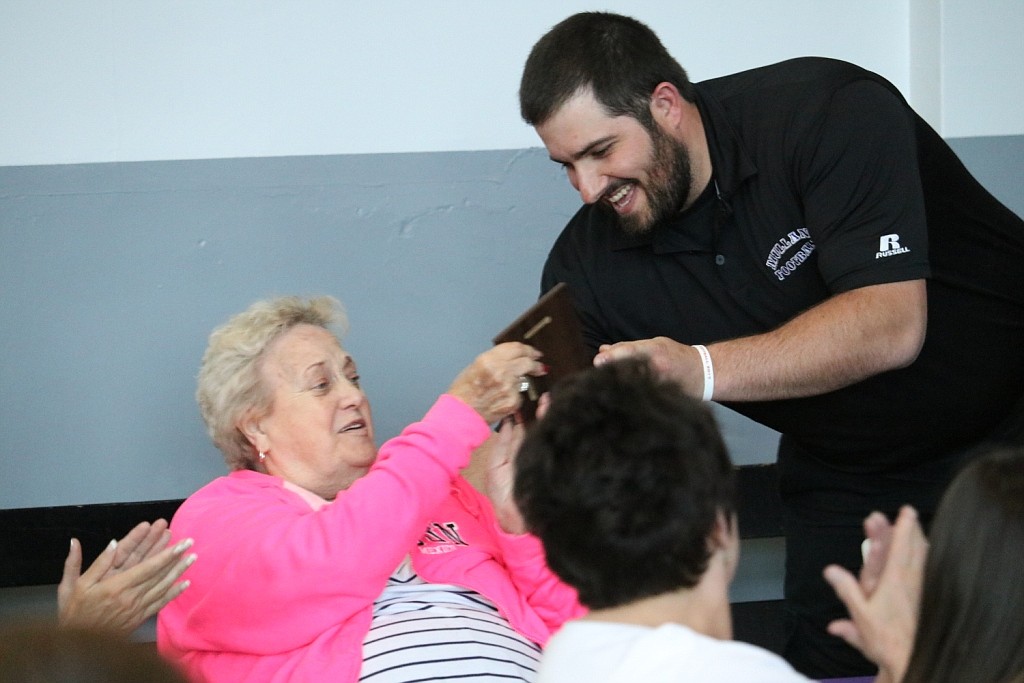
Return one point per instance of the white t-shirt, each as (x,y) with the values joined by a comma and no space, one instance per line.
(606,652)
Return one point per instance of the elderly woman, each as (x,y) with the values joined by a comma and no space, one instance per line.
(324,559)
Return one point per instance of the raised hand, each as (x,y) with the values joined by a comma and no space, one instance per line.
(128,583)
(491,383)
(884,602)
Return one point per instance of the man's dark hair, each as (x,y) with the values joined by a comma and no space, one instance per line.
(623,481)
(618,58)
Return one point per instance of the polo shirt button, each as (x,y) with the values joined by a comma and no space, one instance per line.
(720,260)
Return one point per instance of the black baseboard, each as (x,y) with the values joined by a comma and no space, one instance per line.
(34,542)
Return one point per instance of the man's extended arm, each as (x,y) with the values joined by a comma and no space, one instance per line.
(843,340)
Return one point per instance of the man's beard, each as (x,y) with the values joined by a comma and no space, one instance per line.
(667,186)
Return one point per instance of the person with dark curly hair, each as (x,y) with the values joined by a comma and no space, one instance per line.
(626,481)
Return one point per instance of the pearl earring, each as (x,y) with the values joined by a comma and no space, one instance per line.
(263,456)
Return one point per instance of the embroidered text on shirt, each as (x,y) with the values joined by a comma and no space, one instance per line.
(783,245)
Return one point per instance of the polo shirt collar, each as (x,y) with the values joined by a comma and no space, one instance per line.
(730,162)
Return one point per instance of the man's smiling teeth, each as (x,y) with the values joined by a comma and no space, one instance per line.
(619,194)
(359,424)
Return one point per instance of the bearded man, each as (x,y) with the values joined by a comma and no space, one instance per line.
(796,243)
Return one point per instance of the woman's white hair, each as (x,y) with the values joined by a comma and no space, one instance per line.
(230,384)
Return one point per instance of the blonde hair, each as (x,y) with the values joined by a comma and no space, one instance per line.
(229,382)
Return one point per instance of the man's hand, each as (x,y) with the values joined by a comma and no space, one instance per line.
(128,583)
(885,601)
(668,358)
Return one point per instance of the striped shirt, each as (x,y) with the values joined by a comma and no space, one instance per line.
(436,632)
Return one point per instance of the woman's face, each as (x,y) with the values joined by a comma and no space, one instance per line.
(319,431)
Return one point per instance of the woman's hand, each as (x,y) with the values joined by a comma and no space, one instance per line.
(884,602)
(490,385)
(492,469)
(128,583)
(499,476)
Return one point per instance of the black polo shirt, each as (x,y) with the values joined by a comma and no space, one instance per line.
(817,190)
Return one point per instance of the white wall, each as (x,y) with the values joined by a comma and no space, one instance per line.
(128,80)
(982,67)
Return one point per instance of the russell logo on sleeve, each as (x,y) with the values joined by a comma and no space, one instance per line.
(889,245)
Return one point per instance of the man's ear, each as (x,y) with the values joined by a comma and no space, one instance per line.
(726,539)
(667,105)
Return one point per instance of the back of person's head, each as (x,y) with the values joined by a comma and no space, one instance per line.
(971,626)
(624,480)
(619,59)
(42,653)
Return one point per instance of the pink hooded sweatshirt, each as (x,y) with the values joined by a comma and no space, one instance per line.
(283,592)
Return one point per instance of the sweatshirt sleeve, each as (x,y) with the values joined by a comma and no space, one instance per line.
(553,600)
(272,575)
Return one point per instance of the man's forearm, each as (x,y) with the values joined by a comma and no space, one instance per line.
(848,338)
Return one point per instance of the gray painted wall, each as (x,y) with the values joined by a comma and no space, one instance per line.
(112,276)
